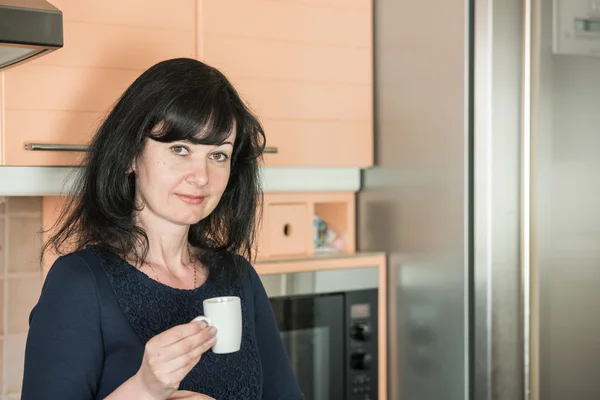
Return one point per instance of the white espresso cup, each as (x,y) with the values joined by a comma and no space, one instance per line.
(225,314)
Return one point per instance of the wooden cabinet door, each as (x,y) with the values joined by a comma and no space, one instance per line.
(60,98)
(305,67)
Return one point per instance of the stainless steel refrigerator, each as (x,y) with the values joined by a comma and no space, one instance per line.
(486,197)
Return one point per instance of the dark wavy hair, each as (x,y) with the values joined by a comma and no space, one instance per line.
(184,97)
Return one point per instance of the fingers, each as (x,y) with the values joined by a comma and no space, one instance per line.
(191,342)
(169,364)
(178,333)
(188,344)
(186,361)
(181,353)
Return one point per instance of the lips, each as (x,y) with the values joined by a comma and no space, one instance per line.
(189,199)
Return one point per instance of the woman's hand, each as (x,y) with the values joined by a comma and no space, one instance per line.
(185,395)
(170,355)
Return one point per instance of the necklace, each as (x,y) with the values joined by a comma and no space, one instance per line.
(192,260)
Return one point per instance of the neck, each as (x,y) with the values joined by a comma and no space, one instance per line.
(168,244)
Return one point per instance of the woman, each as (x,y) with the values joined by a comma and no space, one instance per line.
(163,219)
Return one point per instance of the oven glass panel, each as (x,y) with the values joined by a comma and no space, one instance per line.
(312,330)
(311,360)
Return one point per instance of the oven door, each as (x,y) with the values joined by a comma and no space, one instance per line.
(312,329)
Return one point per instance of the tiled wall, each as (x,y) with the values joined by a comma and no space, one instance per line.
(20,284)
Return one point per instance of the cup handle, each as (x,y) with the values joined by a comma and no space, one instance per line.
(202,318)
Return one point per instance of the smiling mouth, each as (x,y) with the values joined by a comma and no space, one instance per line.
(191,199)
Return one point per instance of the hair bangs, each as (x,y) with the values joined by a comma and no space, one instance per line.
(197,119)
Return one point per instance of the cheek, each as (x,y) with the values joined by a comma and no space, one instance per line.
(142,180)
(224,179)
(156,179)
(219,178)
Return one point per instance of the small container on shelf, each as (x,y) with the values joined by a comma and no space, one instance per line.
(327,241)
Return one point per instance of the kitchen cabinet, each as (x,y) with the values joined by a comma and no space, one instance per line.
(305,67)
(287,228)
(61,97)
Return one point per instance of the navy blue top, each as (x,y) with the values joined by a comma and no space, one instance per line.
(96,312)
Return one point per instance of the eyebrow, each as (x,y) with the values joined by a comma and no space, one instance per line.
(216,144)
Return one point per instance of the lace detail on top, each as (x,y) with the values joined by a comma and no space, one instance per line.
(152,308)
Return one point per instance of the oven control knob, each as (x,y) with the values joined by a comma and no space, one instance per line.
(361,360)
(361,332)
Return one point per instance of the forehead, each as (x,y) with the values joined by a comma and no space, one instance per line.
(208,136)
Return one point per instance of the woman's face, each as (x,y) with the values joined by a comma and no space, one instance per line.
(182,182)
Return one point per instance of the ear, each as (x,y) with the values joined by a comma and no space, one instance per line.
(131,168)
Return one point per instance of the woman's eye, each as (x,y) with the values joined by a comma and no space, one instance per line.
(220,157)
(179,150)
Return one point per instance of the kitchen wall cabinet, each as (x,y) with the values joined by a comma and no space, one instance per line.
(287,228)
(305,67)
(61,97)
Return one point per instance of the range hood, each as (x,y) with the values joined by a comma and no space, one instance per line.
(28,29)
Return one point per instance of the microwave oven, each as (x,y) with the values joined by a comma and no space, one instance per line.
(327,320)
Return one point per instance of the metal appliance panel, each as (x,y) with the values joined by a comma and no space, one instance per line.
(444,200)
(414,204)
(323,281)
(499,356)
(566,215)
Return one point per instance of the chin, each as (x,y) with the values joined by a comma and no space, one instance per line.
(189,215)
(190,218)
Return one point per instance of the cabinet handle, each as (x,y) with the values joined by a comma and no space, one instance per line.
(83,147)
(56,147)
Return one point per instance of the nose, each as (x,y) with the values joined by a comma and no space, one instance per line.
(198,174)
